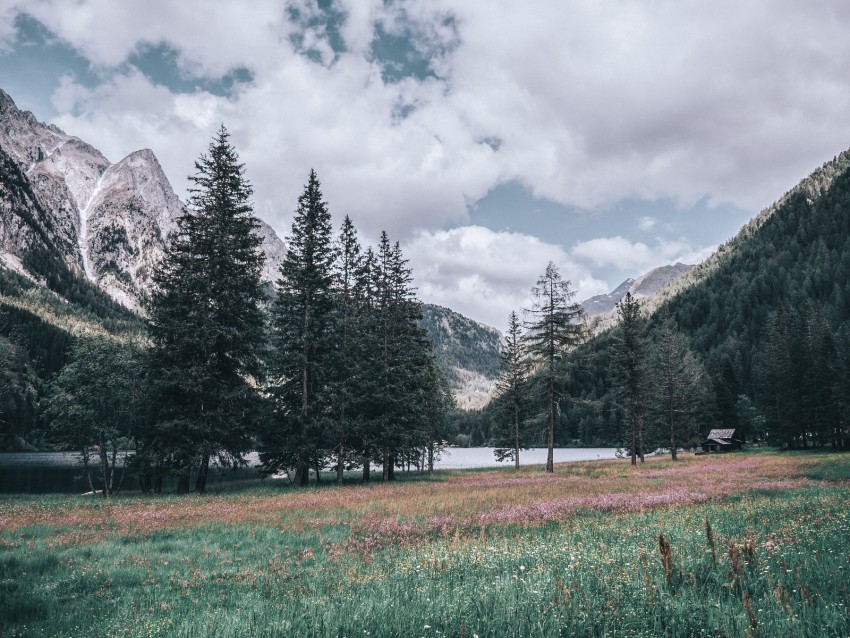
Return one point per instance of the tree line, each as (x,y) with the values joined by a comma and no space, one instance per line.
(332,371)
(655,385)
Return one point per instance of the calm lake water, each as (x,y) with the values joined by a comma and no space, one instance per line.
(60,472)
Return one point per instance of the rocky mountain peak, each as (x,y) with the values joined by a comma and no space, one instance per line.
(112,220)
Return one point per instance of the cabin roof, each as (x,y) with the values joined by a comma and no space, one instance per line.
(721,434)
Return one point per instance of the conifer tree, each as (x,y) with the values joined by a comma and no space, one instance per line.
(349,303)
(304,347)
(512,399)
(555,328)
(206,323)
(680,390)
(631,373)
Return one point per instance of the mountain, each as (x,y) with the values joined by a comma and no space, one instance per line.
(108,222)
(467,351)
(787,269)
(647,285)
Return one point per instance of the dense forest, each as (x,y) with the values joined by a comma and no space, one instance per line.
(343,368)
(761,332)
(331,371)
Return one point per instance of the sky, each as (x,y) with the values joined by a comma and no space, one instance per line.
(487,136)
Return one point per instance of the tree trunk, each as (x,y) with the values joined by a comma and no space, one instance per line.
(183,482)
(318,470)
(85,456)
(340,465)
(367,468)
(640,438)
(516,438)
(550,455)
(203,471)
(302,474)
(633,427)
(430,459)
(391,469)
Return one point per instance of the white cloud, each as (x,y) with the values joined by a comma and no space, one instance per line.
(637,257)
(647,223)
(486,274)
(592,101)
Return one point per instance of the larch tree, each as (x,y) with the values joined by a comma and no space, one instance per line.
(555,328)
(304,349)
(512,397)
(207,324)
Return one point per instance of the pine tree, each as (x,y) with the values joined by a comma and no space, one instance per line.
(679,393)
(631,373)
(304,347)
(207,323)
(512,399)
(556,327)
(349,308)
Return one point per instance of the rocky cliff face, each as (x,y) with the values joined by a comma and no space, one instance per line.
(110,222)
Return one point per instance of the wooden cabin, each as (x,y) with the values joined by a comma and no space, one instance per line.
(721,441)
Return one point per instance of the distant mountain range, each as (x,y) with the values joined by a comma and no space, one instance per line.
(646,285)
(90,231)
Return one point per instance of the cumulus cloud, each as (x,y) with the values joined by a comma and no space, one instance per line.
(584,103)
(485,274)
(591,101)
(637,257)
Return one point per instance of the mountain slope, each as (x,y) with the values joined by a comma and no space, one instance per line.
(795,252)
(645,286)
(109,222)
(468,353)
(794,255)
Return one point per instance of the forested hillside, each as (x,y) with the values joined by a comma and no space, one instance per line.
(39,319)
(766,315)
(467,352)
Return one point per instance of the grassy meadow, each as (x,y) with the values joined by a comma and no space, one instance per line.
(746,544)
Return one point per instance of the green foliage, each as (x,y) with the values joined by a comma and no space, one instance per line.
(512,402)
(554,330)
(20,388)
(100,401)
(207,325)
(632,379)
(460,342)
(680,396)
(303,333)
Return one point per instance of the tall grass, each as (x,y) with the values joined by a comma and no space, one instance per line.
(634,553)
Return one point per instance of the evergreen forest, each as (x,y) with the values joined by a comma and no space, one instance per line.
(343,369)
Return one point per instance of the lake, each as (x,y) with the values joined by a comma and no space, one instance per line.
(60,472)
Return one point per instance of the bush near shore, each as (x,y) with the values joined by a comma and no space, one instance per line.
(748,544)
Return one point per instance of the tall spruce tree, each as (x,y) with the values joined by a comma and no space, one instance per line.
(206,323)
(511,402)
(349,307)
(680,391)
(632,373)
(555,328)
(304,342)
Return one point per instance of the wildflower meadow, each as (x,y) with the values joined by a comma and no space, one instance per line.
(752,544)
